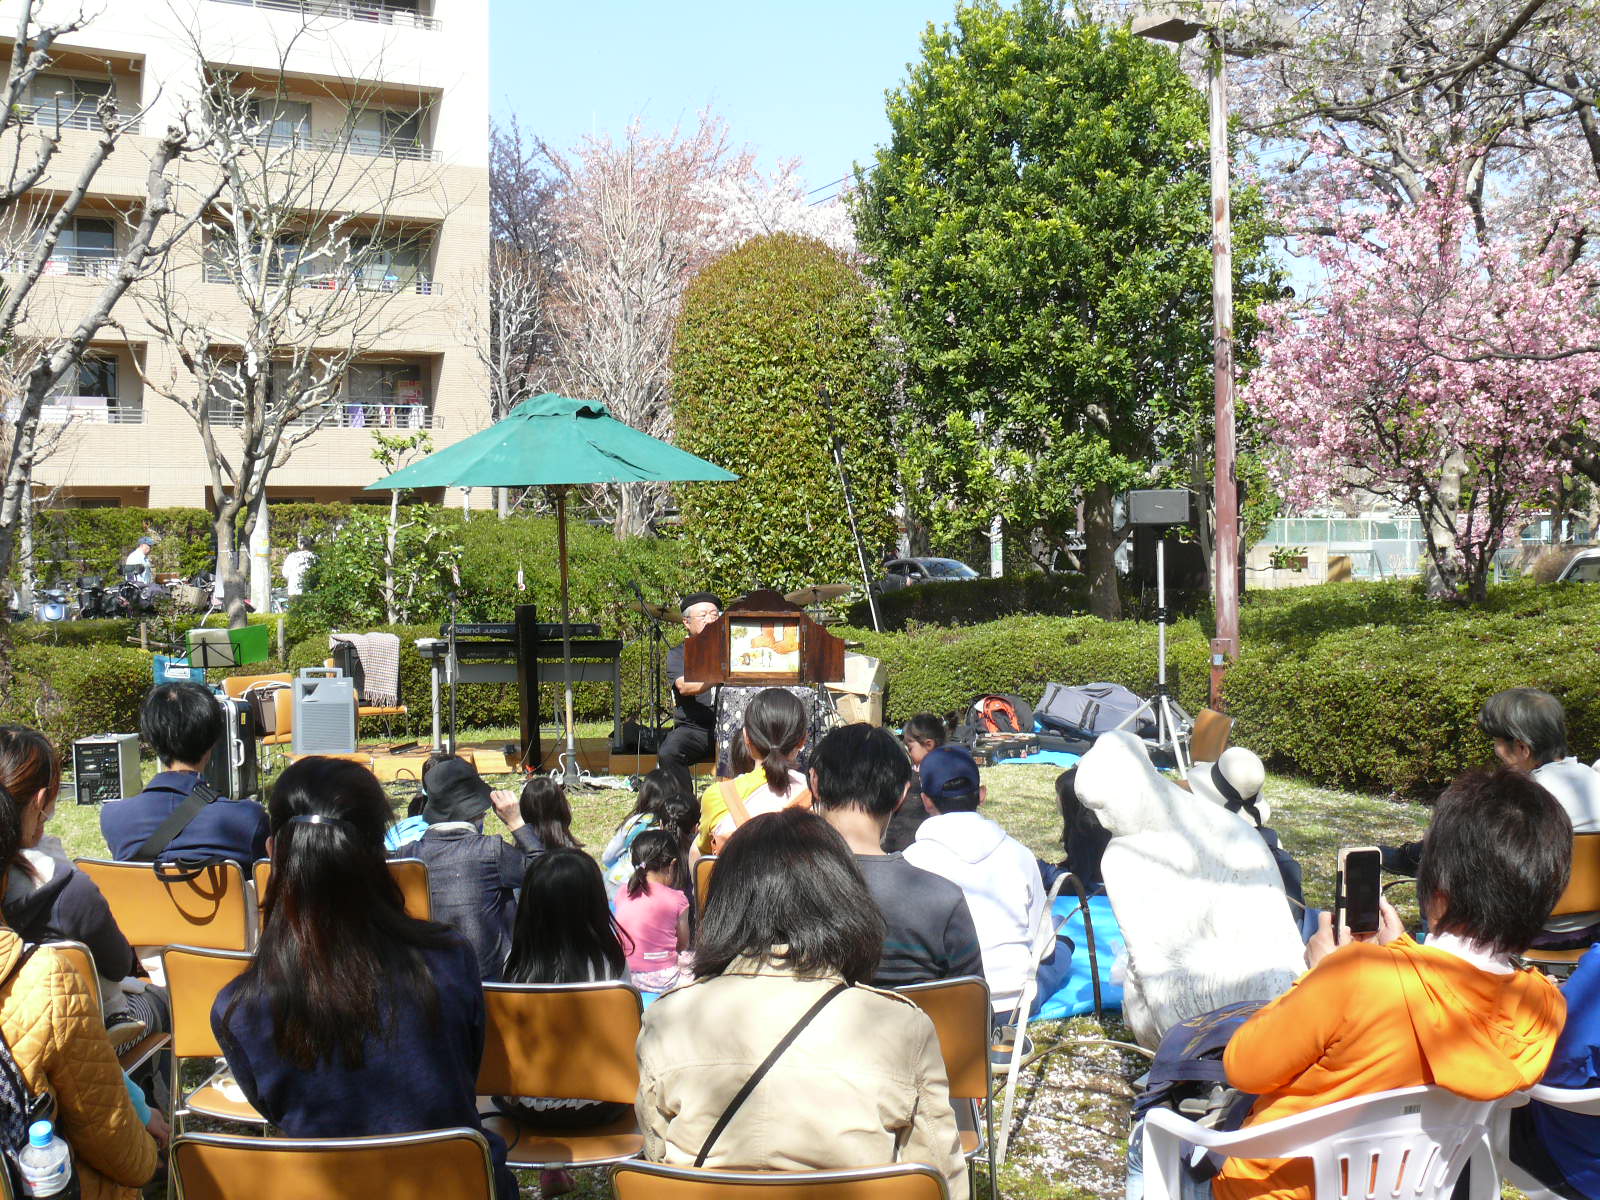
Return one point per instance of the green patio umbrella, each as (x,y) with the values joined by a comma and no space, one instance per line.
(554,442)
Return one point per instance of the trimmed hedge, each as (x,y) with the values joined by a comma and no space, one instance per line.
(970,601)
(68,694)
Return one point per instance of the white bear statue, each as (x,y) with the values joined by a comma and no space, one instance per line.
(1194,888)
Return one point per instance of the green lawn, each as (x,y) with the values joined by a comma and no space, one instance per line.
(1070,1126)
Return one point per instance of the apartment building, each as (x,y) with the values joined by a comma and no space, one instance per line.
(387,100)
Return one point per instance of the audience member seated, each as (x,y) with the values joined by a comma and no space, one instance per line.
(1561,1149)
(1529,731)
(790,935)
(1235,781)
(564,933)
(923,733)
(648,807)
(353,1019)
(49,1022)
(472,876)
(653,912)
(414,824)
(998,874)
(182,722)
(859,779)
(47,899)
(1082,836)
(546,814)
(1372,1015)
(775,727)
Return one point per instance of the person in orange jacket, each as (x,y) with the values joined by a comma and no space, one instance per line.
(1386,1012)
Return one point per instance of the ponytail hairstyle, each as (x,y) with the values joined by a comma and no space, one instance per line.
(338,956)
(927,727)
(655,850)
(564,932)
(680,816)
(776,723)
(654,791)
(545,810)
(28,766)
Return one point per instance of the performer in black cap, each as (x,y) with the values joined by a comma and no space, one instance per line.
(692,738)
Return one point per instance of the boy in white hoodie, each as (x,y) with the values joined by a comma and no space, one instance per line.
(996,873)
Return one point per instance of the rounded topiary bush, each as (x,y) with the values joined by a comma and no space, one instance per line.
(765,330)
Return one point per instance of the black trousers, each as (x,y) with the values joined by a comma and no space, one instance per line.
(685,745)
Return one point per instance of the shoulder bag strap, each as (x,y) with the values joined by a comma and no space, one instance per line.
(802,799)
(760,1072)
(734,801)
(177,821)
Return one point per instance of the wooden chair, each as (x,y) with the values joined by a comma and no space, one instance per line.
(702,882)
(213,908)
(385,711)
(410,873)
(657,1181)
(194,977)
(571,1041)
(1209,737)
(960,1011)
(445,1164)
(1582,896)
(83,962)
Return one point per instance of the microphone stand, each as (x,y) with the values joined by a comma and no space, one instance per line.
(455,670)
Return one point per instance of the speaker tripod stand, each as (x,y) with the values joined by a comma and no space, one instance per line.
(1172,725)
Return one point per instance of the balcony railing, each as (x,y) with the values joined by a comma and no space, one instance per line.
(83,410)
(338,143)
(350,414)
(80,263)
(420,284)
(69,116)
(378,13)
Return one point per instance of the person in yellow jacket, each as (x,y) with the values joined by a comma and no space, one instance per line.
(55,1031)
(775,727)
(1390,1013)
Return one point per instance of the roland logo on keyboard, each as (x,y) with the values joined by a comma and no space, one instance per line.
(506,631)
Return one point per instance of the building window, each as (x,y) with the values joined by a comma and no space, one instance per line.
(283,122)
(385,396)
(386,131)
(65,101)
(390,265)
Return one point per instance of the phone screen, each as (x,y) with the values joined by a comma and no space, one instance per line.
(1359,886)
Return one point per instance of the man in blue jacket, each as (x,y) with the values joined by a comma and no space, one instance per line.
(1559,1148)
(182,722)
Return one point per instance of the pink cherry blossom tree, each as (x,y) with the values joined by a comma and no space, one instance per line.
(1442,365)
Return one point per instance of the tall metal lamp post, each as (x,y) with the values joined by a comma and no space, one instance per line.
(1178,28)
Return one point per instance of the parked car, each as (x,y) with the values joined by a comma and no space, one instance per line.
(903,572)
(1582,567)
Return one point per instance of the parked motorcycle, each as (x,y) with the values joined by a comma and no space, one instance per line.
(94,602)
(51,604)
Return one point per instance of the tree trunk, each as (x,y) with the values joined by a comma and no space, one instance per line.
(1439,527)
(25,520)
(261,556)
(390,536)
(1100,552)
(631,508)
(229,576)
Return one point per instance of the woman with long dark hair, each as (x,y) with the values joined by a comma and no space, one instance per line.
(789,939)
(354,1019)
(775,728)
(545,810)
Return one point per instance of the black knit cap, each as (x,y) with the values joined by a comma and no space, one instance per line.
(694,598)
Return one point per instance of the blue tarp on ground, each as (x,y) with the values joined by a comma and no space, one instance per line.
(1065,986)
(1044,758)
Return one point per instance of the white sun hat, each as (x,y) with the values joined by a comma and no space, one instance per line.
(1234,781)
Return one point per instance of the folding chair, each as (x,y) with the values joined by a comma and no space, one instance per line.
(444,1164)
(657,1181)
(194,977)
(960,1011)
(702,882)
(1410,1142)
(82,961)
(165,904)
(1582,896)
(572,1041)
(1044,940)
(410,873)
(1209,737)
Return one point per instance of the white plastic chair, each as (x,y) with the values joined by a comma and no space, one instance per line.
(1577,1100)
(1044,940)
(1406,1144)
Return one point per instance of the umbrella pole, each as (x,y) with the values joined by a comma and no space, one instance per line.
(570,771)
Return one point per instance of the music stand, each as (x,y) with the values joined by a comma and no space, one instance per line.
(212,649)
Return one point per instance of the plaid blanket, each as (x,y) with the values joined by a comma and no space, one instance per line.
(379,656)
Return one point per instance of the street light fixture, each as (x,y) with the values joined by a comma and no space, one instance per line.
(1179,28)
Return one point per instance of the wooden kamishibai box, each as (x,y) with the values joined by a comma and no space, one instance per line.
(763,640)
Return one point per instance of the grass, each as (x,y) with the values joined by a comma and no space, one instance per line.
(1069,1131)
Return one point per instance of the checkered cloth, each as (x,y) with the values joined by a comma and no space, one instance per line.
(379,656)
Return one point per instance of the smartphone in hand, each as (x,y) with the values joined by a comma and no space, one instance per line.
(1357,887)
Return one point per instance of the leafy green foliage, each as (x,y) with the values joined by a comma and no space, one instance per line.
(345,583)
(970,601)
(763,329)
(69,692)
(1039,222)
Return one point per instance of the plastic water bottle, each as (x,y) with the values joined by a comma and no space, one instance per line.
(46,1162)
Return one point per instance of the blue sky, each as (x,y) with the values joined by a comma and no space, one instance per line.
(791,80)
